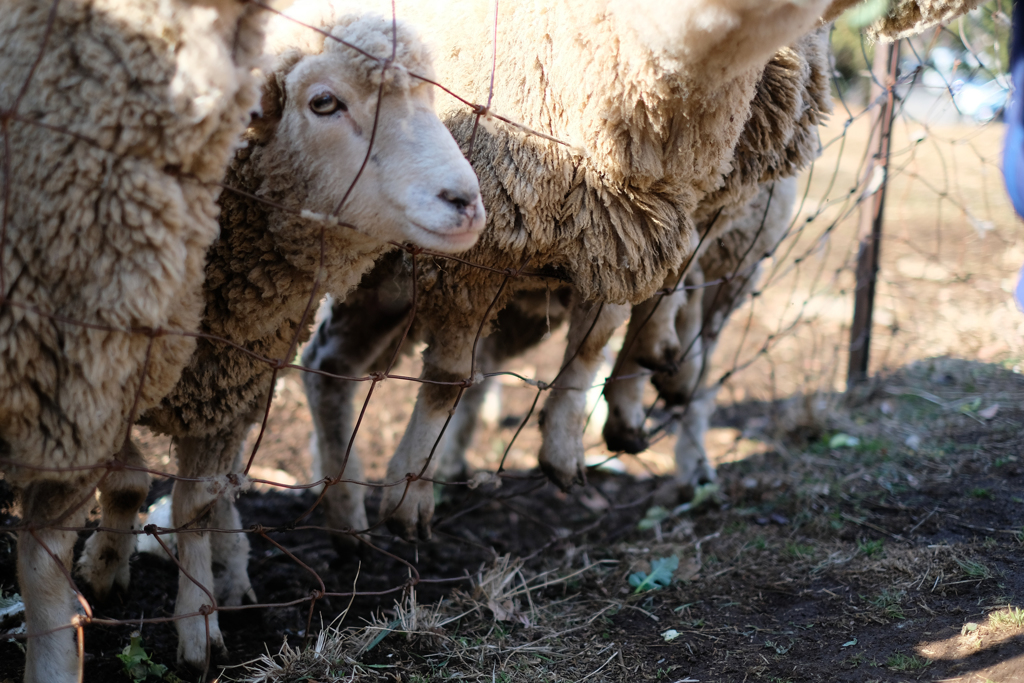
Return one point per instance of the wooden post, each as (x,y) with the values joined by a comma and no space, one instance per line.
(886,63)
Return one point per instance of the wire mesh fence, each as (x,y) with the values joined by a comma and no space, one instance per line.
(773,334)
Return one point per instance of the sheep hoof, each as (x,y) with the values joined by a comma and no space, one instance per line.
(345,544)
(407,511)
(666,361)
(562,479)
(627,439)
(683,489)
(408,530)
(194,667)
(104,566)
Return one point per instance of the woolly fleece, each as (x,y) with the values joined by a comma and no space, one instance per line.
(125,125)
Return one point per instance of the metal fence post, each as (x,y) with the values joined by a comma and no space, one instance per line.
(885,66)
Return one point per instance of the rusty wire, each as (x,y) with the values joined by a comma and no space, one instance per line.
(790,259)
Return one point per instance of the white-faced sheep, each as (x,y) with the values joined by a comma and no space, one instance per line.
(308,157)
(778,138)
(654,126)
(119,119)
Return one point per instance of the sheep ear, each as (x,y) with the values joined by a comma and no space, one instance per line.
(262,128)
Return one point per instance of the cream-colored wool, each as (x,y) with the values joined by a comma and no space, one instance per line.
(126,116)
(738,231)
(108,223)
(653,101)
(910,17)
(651,129)
(779,139)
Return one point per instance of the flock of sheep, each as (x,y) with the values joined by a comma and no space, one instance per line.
(184,180)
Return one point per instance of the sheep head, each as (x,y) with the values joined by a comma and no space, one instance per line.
(327,100)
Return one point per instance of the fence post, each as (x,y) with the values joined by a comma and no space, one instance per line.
(884,68)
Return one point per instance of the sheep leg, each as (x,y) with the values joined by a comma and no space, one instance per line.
(692,465)
(197,505)
(104,562)
(688,387)
(562,419)
(651,335)
(684,387)
(409,506)
(356,333)
(451,458)
(678,386)
(734,259)
(48,595)
(520,326)
(231,585)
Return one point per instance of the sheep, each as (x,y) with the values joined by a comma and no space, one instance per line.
(779,137)
(118,120)
(294,191)
(612,215)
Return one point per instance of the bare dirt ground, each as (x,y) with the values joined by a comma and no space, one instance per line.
(893,558)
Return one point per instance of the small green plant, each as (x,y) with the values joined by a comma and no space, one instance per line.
(139,666)
(870,548)
(981,493)
(901,662)
(799,550)
(665,672)
(974,570)
(660,576)
(890,602)
(654,516)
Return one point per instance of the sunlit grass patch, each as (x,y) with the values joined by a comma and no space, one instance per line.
(1007,618)
(898,661)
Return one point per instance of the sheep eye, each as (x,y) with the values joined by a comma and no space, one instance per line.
(326,104)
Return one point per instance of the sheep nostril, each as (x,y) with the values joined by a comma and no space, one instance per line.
(458,200)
